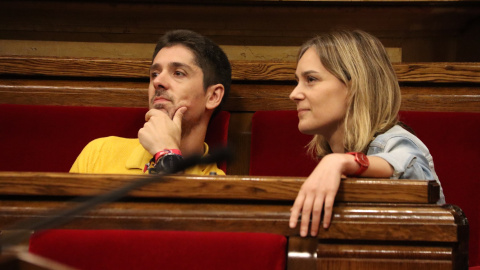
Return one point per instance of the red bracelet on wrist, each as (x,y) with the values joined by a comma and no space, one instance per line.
(361,160)
(167,151)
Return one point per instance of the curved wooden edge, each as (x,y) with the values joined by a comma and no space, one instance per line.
(211,187)
(437,72)
(461,247)
(374,222)
(302,253)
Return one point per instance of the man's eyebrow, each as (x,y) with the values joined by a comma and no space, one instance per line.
(154,66)
(172,65)
(180,65)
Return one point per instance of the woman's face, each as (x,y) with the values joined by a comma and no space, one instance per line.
(321,98)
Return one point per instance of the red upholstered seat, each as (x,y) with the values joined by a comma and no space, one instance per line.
(277,147)
(125,249)
(453,139)
(49,138)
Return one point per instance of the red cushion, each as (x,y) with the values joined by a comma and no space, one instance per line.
(453,139)
(49,138)
(217,134)
(277,147)
(124,249)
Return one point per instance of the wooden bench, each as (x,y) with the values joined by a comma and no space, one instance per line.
(378,223)
(257,86)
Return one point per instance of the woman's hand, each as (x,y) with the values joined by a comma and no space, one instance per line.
(318,192)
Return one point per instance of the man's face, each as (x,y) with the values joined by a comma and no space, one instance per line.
(176,81)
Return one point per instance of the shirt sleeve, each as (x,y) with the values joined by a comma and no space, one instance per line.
(406,158)
(87,157)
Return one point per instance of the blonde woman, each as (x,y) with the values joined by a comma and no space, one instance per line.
(348,97)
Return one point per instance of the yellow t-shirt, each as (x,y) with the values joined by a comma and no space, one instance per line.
(116,155)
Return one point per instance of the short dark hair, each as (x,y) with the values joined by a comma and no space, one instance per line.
(208,56)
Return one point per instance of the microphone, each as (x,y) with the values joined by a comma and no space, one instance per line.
(222,154)
(62,216)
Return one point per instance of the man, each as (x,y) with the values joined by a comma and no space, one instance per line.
(190,76)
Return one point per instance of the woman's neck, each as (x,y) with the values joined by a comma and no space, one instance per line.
(335,140)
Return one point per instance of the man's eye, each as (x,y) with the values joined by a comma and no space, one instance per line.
(153,74)
(179,73)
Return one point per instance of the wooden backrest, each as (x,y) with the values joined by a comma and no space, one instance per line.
(257,85)
(370,217)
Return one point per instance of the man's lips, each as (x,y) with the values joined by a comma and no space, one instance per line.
(160,99)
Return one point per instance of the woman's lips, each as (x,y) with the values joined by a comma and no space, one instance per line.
(301,111)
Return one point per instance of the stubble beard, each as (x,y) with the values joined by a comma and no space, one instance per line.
(187,126)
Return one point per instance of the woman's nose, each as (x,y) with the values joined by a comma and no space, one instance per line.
(295,94)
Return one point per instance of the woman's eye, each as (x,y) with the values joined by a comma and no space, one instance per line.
(311,79)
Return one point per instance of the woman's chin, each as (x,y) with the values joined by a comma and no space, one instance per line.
(306,130)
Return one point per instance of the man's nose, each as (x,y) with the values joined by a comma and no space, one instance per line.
(161,81)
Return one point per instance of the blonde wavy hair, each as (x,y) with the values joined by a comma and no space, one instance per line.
(360,61)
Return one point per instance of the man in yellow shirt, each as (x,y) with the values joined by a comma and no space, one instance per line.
(190,77)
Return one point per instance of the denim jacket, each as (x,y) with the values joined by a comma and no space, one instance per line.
(408,156)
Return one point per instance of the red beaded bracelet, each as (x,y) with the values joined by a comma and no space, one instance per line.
(167,151)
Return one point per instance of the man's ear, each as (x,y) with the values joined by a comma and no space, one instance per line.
(214,96)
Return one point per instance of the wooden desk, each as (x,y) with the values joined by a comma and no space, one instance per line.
(377,223)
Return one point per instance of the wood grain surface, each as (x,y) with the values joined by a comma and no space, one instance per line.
(214,187)
(452,72)
(397,233)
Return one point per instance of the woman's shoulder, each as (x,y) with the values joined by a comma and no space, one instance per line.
(398,131)
(398,134)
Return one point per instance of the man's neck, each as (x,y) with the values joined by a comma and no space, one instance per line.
(193,142)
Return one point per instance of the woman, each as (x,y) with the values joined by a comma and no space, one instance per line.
(348,97)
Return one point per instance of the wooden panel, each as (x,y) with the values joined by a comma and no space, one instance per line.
(243,97)
(302,253)
(145,50)
(241,70)
(74,93)
(429,97)
(361,236)
(132,21)
(427,30)
(239,136)
(190,187)
(410,223)
(375,256)
(227,209)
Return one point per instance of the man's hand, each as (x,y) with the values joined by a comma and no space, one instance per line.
(160,132)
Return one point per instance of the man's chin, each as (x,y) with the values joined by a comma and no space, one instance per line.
(163,109)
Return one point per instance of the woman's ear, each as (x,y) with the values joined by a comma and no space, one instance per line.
(214,96)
